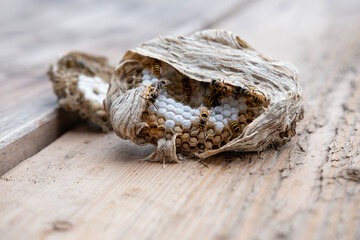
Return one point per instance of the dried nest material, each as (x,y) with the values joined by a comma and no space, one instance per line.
(202,95)
(81,81)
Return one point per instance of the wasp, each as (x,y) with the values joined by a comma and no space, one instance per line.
(254,96)
(234,126)
(151,94)
(162,83)
(213,99)
(257,97)
(203,118)
(245,92)
(156,67)
(72,62)
(223,88)
(187,88)
(217,85)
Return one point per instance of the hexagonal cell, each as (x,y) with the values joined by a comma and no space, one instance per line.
(152,118)
(169,124)
(209,138)
(194,133)
(178,129)
(179,149)
(185,148)
(185,145)
(202,136)
(208,144)
(160,120)
(242,117)
(144,135)
(160,132)
(186,124)
(178,141)
(144,116)
(219,127)
(201,147)
(250,115)
(193,148)
(210,124)
(185,137)
(226,133)
(217,139)
(193,141)
(210,132)
(153,130)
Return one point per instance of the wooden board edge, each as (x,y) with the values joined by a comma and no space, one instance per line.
(30,139)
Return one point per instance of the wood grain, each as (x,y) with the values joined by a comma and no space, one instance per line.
(88,185)
(33,35)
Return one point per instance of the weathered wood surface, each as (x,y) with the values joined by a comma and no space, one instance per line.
(88,185)
(33,34)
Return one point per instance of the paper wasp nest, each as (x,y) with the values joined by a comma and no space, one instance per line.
(81,81)
(202,95)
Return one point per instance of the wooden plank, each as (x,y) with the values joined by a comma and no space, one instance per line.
(88,185)
(34,35)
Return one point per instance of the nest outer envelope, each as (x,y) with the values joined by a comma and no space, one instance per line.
(71,97)
(214,54)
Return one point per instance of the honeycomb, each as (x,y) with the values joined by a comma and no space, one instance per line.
(170,112)
(81,81)
(203,94)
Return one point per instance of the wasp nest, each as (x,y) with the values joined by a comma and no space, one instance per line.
(81,81)
(202,95)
